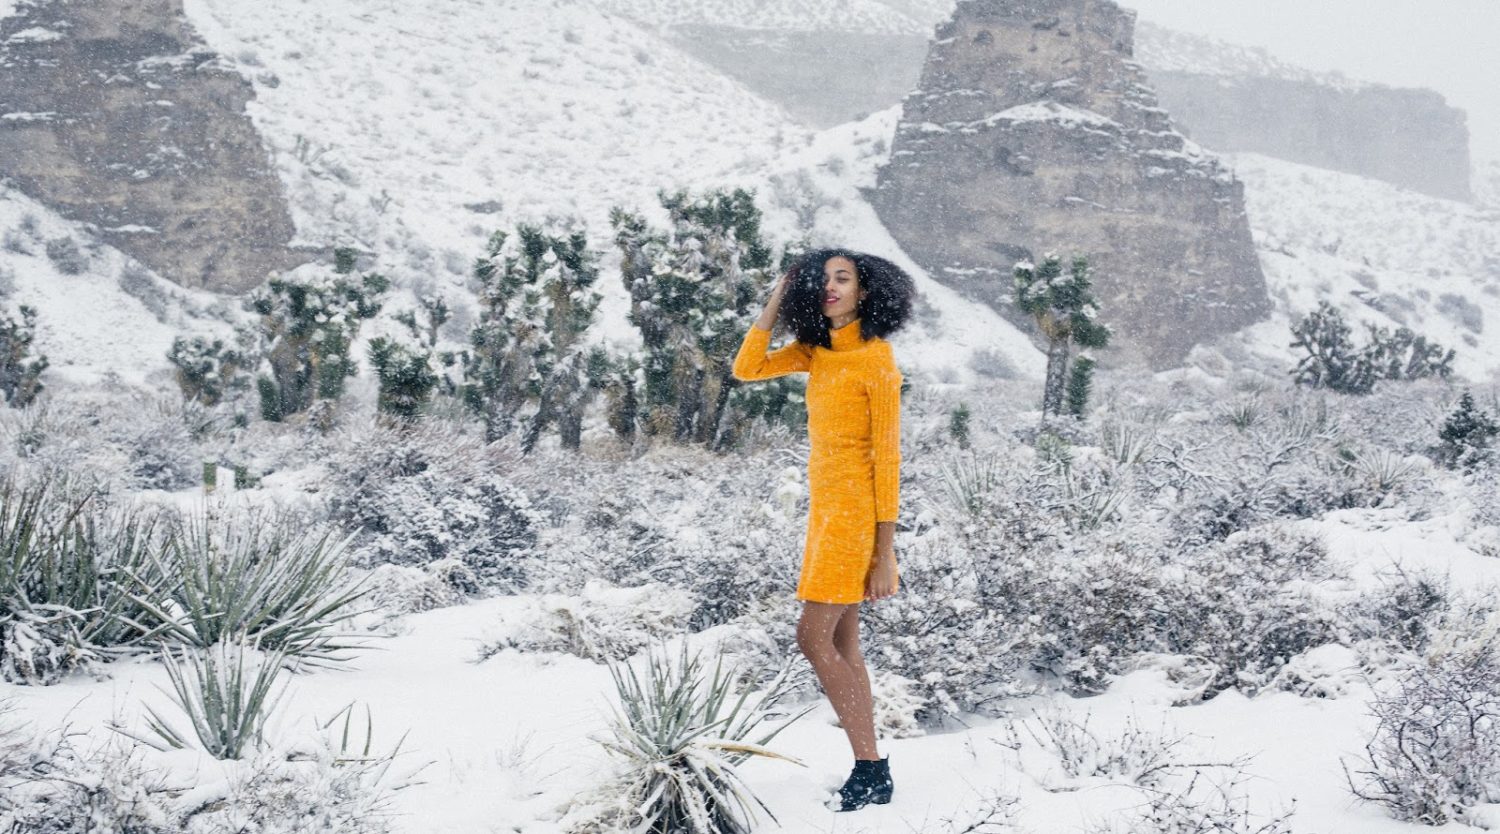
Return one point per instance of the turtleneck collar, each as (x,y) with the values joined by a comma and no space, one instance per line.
(846,337)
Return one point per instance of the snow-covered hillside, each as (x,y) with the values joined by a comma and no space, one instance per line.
(1381,253)
(867,16)
(1160,48)
(98,312)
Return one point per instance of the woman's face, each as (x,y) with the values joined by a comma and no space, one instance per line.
(841,290)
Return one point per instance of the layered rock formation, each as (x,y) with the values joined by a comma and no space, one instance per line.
(1033,130)
(116,116)
(1232,98)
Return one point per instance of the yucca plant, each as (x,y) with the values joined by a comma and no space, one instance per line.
(255,576)
(226,705)
(683,740)
(968,478)
(63,569)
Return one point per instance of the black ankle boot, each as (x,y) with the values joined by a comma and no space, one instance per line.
(870,781)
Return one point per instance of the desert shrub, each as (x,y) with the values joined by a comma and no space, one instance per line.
(1134,753)
(136,281)
(1242,605)
(600,624)
(333,782)
(430,492)
(1435,751)
(66,255)
(1404,610)
(1201,806)
(48,785)
(733,537)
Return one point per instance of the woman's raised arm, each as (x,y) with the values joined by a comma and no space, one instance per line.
(753,362)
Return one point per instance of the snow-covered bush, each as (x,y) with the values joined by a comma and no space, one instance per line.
(1134,754)
(1201,806)
(1241,605)
(431,491)
(66,255)
(1436,747)
(960,655)
(49,786)
(602,623)
(333,782)
(1404,610)
(730,530)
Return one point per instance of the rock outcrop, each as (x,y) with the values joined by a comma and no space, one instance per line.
(1231,98)
(1033,130)
(115,115)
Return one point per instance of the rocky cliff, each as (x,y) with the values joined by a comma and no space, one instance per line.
(1033,130)
(115,115)
(1231,98)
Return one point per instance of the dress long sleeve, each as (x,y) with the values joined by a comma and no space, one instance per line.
(884,389)
(753,362)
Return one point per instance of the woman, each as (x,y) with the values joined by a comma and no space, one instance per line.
(840,305)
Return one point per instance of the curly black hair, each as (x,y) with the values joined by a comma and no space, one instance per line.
(882,312)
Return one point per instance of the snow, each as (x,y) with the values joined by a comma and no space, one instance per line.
(384,125)
(123,338)
(508,739)
(34,34)
(866,16)
(1364,245)
(1052,111)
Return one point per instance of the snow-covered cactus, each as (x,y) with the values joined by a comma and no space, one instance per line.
(528,363)
(310,324)
(20,377)
(692,289)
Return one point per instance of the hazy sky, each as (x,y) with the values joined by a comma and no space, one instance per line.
(1444,45)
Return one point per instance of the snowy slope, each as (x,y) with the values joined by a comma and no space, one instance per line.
(114,317)
(1381,253)
(1160,48)
(868,16)
(385,124)
(389,129)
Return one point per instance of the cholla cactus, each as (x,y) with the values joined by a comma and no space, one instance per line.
(310,324)
(208,369)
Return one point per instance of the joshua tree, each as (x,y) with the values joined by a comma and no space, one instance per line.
(1064,309)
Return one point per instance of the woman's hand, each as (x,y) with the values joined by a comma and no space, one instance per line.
(881,581)
(773,304)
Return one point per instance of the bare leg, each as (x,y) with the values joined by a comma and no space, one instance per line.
(847,688)
(846,641)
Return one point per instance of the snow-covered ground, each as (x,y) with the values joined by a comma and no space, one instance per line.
(413,136)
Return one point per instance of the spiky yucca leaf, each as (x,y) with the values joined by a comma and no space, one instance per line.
(684,777)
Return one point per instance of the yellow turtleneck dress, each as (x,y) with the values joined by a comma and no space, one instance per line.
(853,471)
